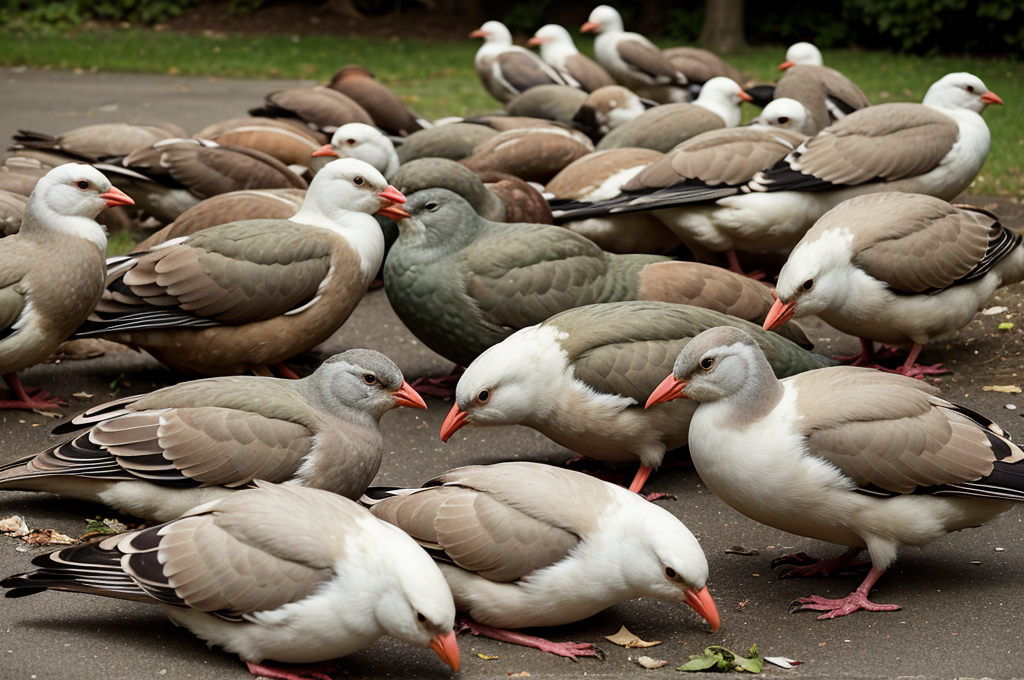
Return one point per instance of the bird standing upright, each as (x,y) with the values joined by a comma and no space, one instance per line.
(848,455)
(51,272)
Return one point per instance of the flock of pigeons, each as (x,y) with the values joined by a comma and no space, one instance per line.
(567,329)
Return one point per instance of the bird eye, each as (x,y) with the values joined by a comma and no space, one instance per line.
(808,284)
(707,362)
(369,378)
(432,206)
(483,396)
(421,618)
(83,184)
(350,142)
(783,119)
(358,181)
(670,573)
(970,88)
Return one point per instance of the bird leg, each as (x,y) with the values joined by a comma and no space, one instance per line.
(869,358)
(734,265)
(911,370)
(858,599)
(569,649)
(284,372)
(29,399)
(442,388)
(317,671)
(802,565)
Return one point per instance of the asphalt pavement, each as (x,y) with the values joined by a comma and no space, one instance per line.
(961,600)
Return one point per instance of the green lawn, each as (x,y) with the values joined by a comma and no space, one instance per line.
(438,79)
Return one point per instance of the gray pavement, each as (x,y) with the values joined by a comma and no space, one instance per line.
(961,599)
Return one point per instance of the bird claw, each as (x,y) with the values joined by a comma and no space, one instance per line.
(800,565)
(836,608)
(300,672)
(659,496)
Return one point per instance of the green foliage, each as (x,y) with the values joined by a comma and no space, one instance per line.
(527,16)
(75,12)
(930,26)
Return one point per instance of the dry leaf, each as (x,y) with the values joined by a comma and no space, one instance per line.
(485,657)
(48,537)
(1005,389)
(520,674)
(648,662)
(994,310)
(626,639)
(82,395)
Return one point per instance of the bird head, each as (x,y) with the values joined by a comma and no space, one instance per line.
(715,364)
(493,32)
(363,142)
(802,53)
(350,185)
(960,91)
(603,19)
(360,379)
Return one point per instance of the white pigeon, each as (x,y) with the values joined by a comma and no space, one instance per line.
(237,574)
(848,455)
(630,58)
(525,544)
(364,142)
(508,70)
(900,269)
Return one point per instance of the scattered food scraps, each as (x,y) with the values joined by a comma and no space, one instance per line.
(520,674)
(1005,389)
(486,657)
(992,311)
(13,526)
(723,660)
(105,526)
(1005,326)
(648,662)
(628,640)
(82,395)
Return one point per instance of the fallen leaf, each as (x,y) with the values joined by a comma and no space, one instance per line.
(648,662)
(105,526)
(782,662)
(723,660)
(48,537)
(520,674)
(1005,326)
(46,414)
(1005,389)
(485,657)
(991,311)
(740,550)
(626,639)
(82,395)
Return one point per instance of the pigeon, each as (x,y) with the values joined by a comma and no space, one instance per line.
(51,272)
(869,460)
(237,574)
(158,455)
(507,70)
(903,269)
(524,545)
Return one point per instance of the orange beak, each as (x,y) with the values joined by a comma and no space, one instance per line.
(991,98)
(454,421)
(478,33)
(590,27)
(407,396)
(701,601)
(388,207)
(744,96)
(116,197)
(325,150)
(786,64)
(780,313)
(669,389)
(448,650)
(534,41)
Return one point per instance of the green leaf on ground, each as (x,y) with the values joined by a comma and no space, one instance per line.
(721,659)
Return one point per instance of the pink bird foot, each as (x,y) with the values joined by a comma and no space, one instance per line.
(28,399)
(566,649)
(441,388)
(922,372)
(856,600)
(836,608)
(317,671)
(801,565)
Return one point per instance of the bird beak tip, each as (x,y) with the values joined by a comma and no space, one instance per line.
(454,421)
(447,649)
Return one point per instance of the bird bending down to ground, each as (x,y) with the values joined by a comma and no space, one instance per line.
(248,295)
(51,272)
(898,269)
(161,454)
(524,545)
(237,574)
(847,455)
(580,377)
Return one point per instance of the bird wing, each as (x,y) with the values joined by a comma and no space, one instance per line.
(521,70)
(12,293)
(587,72)
(879,143)
(521,275)
(648,60)
(891,435)
(212,170)
(929,245)
(234,274)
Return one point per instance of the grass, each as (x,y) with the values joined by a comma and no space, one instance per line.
(438,79)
